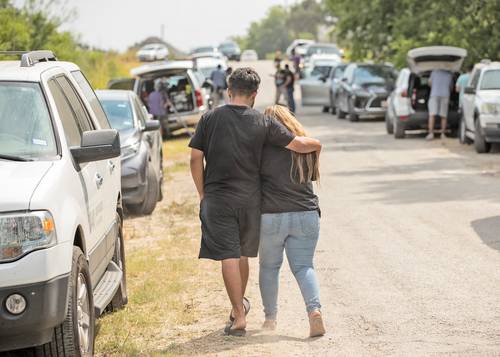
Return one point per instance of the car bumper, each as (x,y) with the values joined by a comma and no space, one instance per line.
(46,309)
(368,113)
(492,134)
(133,179)
(420,120)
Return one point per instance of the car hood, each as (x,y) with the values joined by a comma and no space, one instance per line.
(18,181)
(425,59)
(489,96)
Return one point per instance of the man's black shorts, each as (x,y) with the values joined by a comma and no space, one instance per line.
(228,232)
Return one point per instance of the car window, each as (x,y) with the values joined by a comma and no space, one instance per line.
(475,78)
(330,50)
(72,130)
(119,112)
(320,71)
(491,80)
(75,103)
(89,93)
(348,74)
(373,74)
(25,125)
(339,72)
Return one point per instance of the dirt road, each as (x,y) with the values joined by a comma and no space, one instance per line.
(409,258)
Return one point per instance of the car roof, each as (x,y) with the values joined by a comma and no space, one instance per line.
(12,70)
(487,65)
(161,66)
(114,94)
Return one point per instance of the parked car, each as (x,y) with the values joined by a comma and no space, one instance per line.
(316,85)
(153,52)
(184,88)
(249,56)
(300,47)
(206,51)
(61,246)
(407,104)
(207,65)
(231,50)
(335,80)
(480,120)
(363,91)
(141,147)
(321,49)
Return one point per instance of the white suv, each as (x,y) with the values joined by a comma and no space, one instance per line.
(61,247)
(480,122)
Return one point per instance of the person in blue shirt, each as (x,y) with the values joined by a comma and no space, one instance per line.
(462,82)
(441,86)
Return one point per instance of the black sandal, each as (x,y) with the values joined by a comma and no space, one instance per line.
(228,331)
(246,306)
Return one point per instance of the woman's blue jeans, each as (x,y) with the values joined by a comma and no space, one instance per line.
(296,233)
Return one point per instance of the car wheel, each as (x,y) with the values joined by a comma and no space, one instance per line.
(389,125)
(75,336)
(352,116)
(462,132)
(399,129)
(480,143)
(148,205)
(121,297)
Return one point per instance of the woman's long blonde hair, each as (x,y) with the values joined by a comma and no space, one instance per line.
(305,167)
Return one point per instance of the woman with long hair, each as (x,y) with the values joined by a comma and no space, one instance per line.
(290,223)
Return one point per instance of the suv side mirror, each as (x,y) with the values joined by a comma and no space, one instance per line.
(152,125)
(97,145)
(470,90)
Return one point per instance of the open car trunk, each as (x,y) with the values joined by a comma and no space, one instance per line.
(426,59)
(420,91)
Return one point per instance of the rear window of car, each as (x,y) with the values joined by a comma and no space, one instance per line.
(329,50)
(491,80)
(25,126)
(120,113)
(373,74)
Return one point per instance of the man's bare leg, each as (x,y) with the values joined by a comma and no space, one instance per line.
(444,124)
(233,283)
(432,120)
(244,273)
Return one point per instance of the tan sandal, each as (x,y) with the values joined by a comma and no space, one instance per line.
(317,327)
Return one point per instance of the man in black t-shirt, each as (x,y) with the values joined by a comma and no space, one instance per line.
(230,139)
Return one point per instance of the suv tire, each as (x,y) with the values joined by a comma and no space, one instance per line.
(389,124)
(341,114)
(152,187)
(462,132)
(480,143)
(399,129)
(66,338)
(121,298)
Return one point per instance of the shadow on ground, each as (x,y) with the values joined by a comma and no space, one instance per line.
(215,342)
(488,229)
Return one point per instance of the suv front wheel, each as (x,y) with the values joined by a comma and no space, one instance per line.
(480,143)
(75,336)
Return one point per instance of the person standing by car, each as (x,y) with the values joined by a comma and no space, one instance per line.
(218,78)
(441,83)
(462,82)
(158,103)
(296,59)
(289,87)
(279,82)
(289,222)
(231,139)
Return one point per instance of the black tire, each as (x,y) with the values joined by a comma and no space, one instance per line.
(462,132)
(121,297)
(389,125)
(166,133)
(341,114)
(353,117)
(326,109)
(399,129)
(66,339)
(480,143)
(151,198)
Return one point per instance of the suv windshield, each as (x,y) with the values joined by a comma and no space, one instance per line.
(491,80)
(317,50)
(203,49)
(25,126)
(373,74)
(119,113)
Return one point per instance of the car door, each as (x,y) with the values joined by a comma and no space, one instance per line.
(315,87)
(338,72)
(88,174)
(469,100)
(344,88)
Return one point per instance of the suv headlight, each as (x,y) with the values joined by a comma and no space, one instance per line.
(490,108)
(130,150)
(21,233)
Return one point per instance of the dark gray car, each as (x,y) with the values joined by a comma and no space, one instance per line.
(141,147)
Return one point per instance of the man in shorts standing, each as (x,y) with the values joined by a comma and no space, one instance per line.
(441,85)
(230,139)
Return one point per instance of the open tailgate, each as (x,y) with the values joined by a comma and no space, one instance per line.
(425,59)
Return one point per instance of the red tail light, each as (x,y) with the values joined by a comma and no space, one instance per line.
(199,98)
(403,117)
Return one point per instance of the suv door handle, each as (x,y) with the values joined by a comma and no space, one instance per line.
(98,180)
(111,166)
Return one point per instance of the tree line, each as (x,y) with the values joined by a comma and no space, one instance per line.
(384,30)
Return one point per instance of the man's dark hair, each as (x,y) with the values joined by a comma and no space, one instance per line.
(244,81)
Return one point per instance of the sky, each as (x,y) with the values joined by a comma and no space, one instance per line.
(117,24)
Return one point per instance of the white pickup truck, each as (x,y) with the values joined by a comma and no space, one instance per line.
(61,247)
(480,122)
